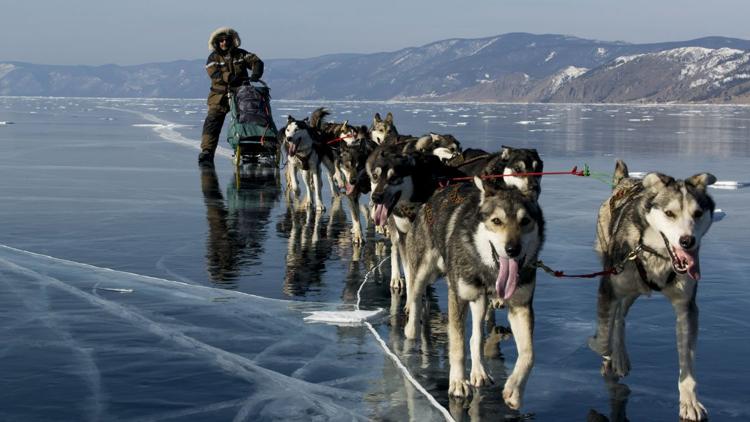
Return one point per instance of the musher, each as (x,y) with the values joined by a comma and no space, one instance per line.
(227,66)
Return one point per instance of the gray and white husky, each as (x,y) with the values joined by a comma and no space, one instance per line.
(651,231)
(400,184)
(308,153)
(383,129)
(485,241)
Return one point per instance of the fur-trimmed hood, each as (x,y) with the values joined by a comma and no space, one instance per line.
(225,30)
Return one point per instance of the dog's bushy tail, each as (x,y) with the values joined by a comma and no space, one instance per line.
(621,172)
(317,117)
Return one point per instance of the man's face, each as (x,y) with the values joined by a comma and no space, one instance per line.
(224,43)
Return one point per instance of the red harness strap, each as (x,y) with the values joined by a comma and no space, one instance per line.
(573,172)
(334,140)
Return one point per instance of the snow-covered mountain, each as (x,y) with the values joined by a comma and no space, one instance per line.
(686,74)
(511,67)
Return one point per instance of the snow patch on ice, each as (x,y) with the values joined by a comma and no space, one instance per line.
(729,184)
(167,131)
(550,56)
(347,318)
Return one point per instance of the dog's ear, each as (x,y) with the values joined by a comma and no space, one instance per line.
(505,152)
(479,184)
(389,117)
(377,118)
(435,137)
(289,119)
(486,188)
(701,180)
(655,181)
(621,172)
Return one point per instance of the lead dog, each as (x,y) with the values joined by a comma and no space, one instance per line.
(658,223)
(485,241)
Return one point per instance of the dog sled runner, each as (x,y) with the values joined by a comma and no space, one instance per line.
(252,132)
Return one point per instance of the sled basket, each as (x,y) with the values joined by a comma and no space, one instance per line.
(250,116)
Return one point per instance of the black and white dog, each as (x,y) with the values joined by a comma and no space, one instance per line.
(509,161)
(308,151)
(444,146)
(351,164)
(485,241)
(652,229)
(400,185)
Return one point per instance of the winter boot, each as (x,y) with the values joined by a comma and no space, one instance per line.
(206,157)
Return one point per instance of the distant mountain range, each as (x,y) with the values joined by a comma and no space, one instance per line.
(515,67)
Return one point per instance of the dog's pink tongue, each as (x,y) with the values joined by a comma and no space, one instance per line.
(292,149)
(507,278)
(381,214)
(693,264)
(349,189)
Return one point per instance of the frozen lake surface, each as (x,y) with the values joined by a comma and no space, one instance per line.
(135,286)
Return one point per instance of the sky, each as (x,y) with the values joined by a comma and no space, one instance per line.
(125,32)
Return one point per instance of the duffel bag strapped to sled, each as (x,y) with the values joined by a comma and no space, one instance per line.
(250,111)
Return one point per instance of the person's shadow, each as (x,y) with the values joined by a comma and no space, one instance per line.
(237,224)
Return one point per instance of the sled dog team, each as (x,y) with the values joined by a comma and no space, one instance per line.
(483,234)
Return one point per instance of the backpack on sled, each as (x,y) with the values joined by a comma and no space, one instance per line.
(252,132)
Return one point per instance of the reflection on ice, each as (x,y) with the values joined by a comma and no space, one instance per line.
(113,345)
(175,342)
(236,225)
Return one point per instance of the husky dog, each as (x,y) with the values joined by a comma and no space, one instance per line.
(651,231)
(383,129)
(307,151)
(445,147)
(508,161)
(351,166)
(485,241)
(400,185)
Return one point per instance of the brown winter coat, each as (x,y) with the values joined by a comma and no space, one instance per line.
(228,68)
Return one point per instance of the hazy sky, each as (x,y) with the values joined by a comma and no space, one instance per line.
(96,32)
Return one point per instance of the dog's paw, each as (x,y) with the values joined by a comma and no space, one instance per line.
(512,396)
(692,410)
(320,208)
(459,388)
(397,284)
(479,377)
